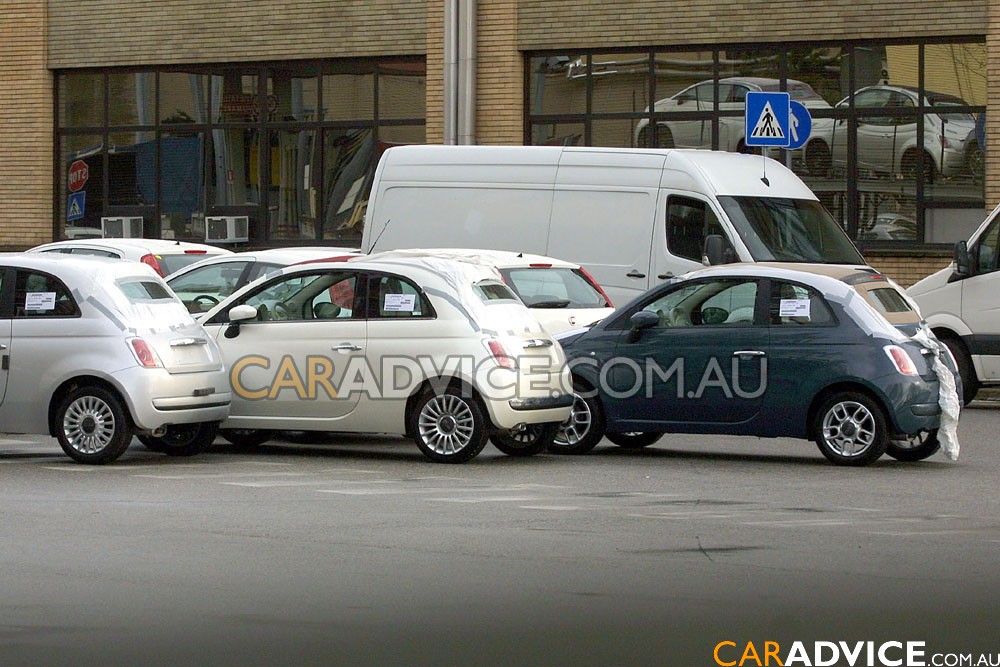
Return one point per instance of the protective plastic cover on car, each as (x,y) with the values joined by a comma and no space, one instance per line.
(951,407)
(460,275)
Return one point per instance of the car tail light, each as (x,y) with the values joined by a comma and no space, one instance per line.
(144,353)
(195,252)
(597,286)
(540,266)
(500,355)
(901,360)
(151,260)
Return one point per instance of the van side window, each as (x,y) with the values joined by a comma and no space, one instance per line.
(985,252)
(41,295)
(688,222)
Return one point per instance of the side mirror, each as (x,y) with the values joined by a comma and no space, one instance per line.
(639,321)
(962,268)
(238,314)
(717,251)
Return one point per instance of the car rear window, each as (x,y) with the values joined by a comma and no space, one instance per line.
(554,287)
(888,300)
(144,290)
(170,263)
(489,290)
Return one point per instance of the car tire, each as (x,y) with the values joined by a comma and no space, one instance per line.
(916,448)
(633,439)
(584,428)
(527,441)
(664,137)
(910,166)
(92,425)
(183,439)
(448,427)
(970,384)
(245,438)
(850,429)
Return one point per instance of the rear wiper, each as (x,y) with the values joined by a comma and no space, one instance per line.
(561,303)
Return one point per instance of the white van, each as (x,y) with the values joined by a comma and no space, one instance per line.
(960,304)
(632,217)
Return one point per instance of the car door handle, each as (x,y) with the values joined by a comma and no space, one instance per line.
(538,342)
(635,274)
(749,353)
(347,347)
(664,276)
(2,346)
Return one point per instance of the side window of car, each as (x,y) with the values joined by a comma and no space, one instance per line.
(397,298)
(41,295)
(202,288)
(323,295)
(689,220)
(94,252)
(985,250)
(719,302)
(797,305)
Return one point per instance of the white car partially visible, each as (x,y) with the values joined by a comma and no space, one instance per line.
(163,256)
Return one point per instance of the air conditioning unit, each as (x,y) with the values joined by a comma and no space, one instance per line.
(122,228)
(227,229)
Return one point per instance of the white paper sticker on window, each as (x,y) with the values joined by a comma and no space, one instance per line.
(794,308)
(399,303)
(40,301)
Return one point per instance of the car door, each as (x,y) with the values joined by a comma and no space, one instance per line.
(703,363)
(286,365)
(878,134)
(691,133)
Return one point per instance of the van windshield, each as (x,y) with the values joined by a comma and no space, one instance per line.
(789,230)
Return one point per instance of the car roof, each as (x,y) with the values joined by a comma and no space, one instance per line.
(78,269)
(158,246)
(501,259)
(285,256)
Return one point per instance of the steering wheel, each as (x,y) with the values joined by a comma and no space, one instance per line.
(206,298)
(713,315)
(281,311)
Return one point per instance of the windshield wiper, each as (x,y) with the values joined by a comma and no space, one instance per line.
(560,303)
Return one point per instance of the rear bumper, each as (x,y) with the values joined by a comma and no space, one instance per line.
(157,398)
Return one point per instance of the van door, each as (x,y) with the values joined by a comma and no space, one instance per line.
(980,308)
(5,312)
(680,238)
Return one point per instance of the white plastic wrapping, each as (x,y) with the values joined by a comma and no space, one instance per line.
(951,406)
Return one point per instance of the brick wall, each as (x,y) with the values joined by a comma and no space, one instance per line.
(25,127)
(556,24)
(91,33)
(907,269)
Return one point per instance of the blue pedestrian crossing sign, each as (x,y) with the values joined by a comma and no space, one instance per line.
(767,119)
(75,205)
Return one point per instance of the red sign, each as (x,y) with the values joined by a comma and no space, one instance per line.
(79,172)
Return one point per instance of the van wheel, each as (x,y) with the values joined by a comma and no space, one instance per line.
(183,439)
(92,425)
(850,429)
(528,440)
(245,438)
(584,428)
(915,448)
(970,384)
(634,439)
(448,427)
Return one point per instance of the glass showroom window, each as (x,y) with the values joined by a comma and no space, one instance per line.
(895,164)
(292,146)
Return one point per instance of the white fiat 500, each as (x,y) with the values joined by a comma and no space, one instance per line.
(97,350)
(437,349)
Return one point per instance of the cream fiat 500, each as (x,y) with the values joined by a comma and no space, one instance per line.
(438,349)
(94,351)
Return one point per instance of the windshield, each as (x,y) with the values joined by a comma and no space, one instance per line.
(789,230)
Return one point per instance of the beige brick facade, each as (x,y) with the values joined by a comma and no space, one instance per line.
(25,127)
(64,34)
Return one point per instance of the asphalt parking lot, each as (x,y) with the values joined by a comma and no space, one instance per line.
(359,551)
